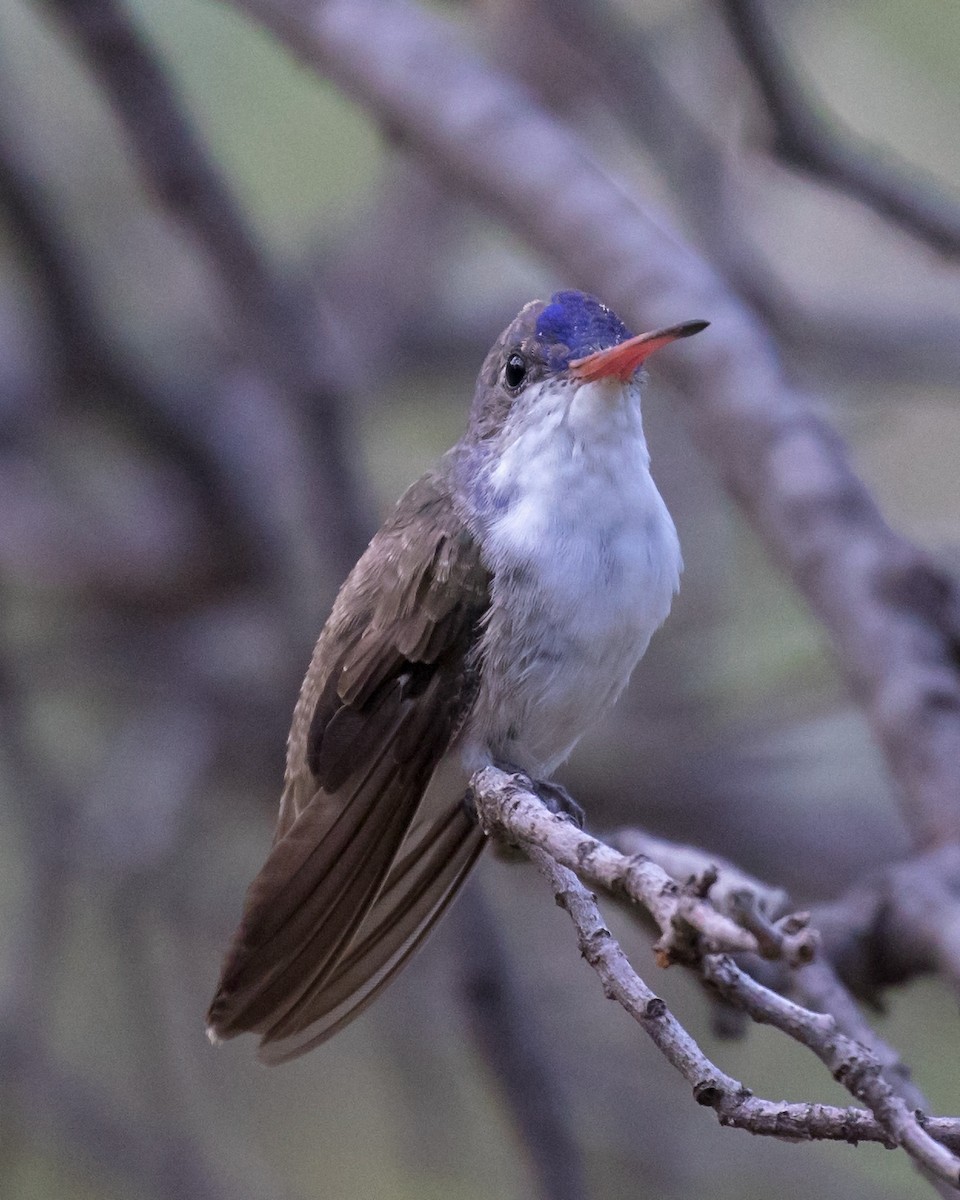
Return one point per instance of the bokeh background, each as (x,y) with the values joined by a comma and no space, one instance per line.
(193,448)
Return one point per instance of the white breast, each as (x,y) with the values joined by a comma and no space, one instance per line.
(585,561)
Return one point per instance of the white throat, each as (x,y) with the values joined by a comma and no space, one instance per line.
(585,562)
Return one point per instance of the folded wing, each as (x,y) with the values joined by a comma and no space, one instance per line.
(352,885)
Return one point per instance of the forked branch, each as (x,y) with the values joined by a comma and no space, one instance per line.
(700,935)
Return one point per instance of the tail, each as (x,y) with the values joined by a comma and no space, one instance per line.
(327,925)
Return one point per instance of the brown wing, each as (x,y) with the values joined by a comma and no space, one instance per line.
(391,680)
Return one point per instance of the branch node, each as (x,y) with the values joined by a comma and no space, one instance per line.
(708,1092)
(655,1009)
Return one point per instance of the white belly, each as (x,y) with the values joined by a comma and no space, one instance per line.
(585,561)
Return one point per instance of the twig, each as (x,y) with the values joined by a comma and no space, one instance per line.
(897,916)
(686,862)
(806,139)
(819,988)
(506,802)
(733,1103)
(817,985)
(510,809)
(851,1063)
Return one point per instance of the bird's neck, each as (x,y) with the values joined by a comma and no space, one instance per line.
(577,458)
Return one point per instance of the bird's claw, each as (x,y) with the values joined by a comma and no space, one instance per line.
(553,796)
(559,801)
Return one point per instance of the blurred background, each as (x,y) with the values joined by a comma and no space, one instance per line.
(218,369)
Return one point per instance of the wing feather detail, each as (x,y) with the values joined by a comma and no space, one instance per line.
(348,890)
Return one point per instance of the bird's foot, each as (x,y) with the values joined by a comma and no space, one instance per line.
(559,801)
(553,796)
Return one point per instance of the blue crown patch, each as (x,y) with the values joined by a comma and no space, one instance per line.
(577,325)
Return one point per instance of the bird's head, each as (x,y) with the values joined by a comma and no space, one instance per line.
(553,353)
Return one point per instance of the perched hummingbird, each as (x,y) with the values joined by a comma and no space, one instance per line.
(497,613)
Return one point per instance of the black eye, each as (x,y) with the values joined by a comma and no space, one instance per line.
(515,371)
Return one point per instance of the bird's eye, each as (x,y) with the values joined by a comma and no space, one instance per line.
(515,371)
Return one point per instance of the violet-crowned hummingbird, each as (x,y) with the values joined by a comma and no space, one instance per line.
(497,613)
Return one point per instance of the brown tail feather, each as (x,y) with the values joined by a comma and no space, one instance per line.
(434,865)
(298,921)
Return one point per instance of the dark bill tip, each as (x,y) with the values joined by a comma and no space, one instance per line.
(689,328)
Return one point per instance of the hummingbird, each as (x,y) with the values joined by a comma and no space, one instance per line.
(495,616)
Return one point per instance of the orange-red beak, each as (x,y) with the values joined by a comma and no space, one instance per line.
(620,362)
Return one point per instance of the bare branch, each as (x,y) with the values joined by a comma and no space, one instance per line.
(689,862)
(818,987)
(505,802)
(509,809)
(898,917)
(850,1063)
(889,926)
(734,1104)
(806,139)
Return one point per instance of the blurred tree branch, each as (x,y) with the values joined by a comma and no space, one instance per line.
(279,378)
(504,1027)
(620,60)
(811,142)
(90,372)
(675,910)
